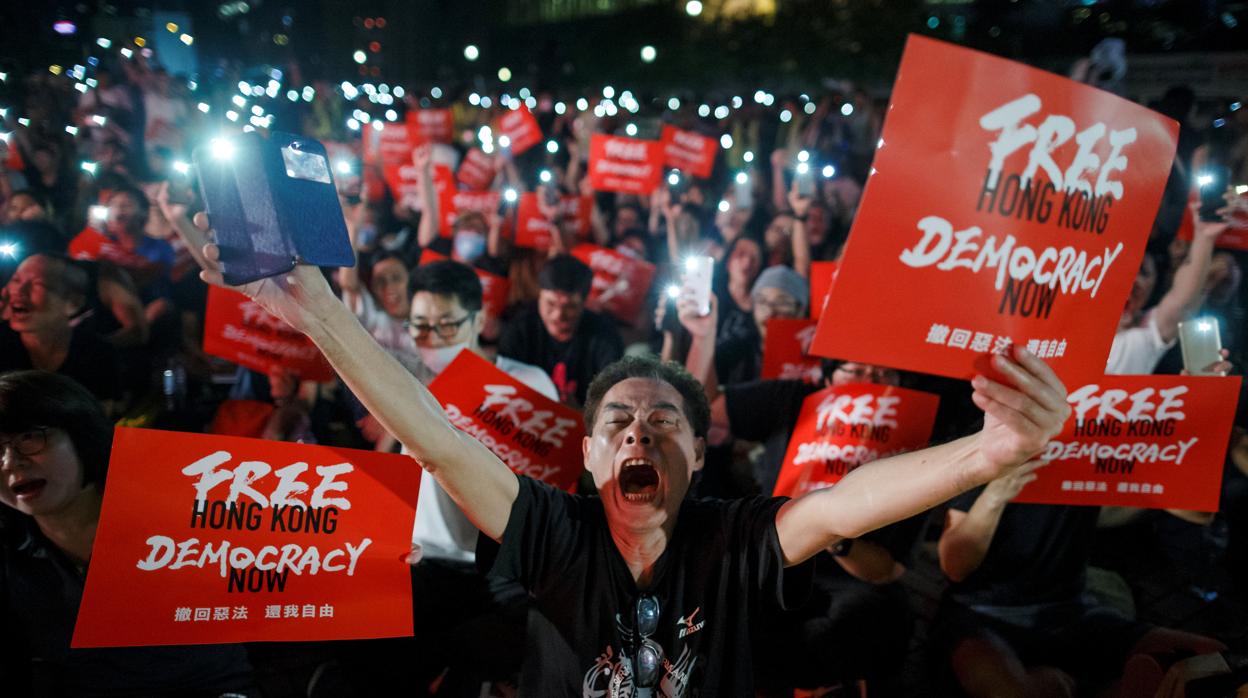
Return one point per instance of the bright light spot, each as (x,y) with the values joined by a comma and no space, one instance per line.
(181,167)
(803,156)
(474,99)
(126,53)
(530,102)
(221,148)
(829,171)
(71,130)
(1204,180)
(760,96)
(704,111)
(769,100)
(721,112)
(724,206)
(342,167)
(880,144)
(471,52)
(23,121)
(648,54)
(81,87)
(673,178)
(55,69)
(256,90)
(485,135)
(359,56)
(378,126)
(725,141)
(89,167)
(257,110)
(292,95)
(748,156)
(691,264)
(140,41)
(742,178)
(545,176)
(244,87)
(392,115)
(231,115)
(847,109)
(524,93)
(399,91)
(190,85)
(631,129)
(504,141)
(1204,326)
(785,116)
(803,168)
(171,27)
(673,291)
(353,124)
(1235,106)
(693,8)
(582,104)
(8,249)
(504,74)
(560,108)
(187,39)
(1241,189)
(238,101)
(487,148)
(608,92)
(436,92)
(510,195)
(673,104)
(486,102)
(809,108)
(103,43)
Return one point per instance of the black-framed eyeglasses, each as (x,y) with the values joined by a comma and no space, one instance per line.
(445,329)
(28,443)
(648,655)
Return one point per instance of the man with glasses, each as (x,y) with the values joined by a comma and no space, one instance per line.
(640,562)
(559,335)
(779,292)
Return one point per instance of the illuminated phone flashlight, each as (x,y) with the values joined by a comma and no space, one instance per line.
(342,167)
(89,167)
(552,146)
(742,177)
(545,176)
(5,137)
(1240,189)
(181,167)
(99,120)
(97,213)
(803,156)
(803,168)
(71,130)
(8,249)
(829,172)
(221,149)
(510,195)
(724,206)
(1204,326)
(1204,179)
(673,291)
(504,141)
(673,178)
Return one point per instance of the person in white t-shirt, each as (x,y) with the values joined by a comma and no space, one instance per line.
(1144,336)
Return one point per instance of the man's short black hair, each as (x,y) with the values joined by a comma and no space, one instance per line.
(137,195)
(567,274)
(449,278)
(37,399)
(696,408)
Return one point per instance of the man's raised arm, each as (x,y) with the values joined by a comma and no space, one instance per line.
(1019,420)
(474,477)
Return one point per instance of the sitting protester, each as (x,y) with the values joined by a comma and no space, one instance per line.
(54,450)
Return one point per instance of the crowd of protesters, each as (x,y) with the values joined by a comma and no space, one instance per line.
(101,287)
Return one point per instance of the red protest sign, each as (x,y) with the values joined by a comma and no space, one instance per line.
(494,288)
(822,274)
(578,209)
(389,143)
(620,282)
(237,329)
(455,203)
(521,129)
(435,125)
(688,151)
(786,351)
(627,165)
(845,426)
(477,170)
(1006,205)
(211,539)
(1140,441)
(404,183)
(532,434)
(532,228)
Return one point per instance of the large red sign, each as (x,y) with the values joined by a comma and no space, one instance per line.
(620,282)
(1141,441)
(389,143)
(532,228)
(210,539)
(845,426)
(477,170)
(627,165)
(494,288)
(404,183)
(786,351)
(521,129)
(532,434)
(436,125)
(688,151)
(237,329)
(1007,206)
(822,274)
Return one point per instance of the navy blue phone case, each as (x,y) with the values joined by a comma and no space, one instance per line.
(272,204)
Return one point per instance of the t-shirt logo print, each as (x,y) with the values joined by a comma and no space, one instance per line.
(687,626)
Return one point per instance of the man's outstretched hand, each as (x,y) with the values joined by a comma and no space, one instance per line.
(1021,416)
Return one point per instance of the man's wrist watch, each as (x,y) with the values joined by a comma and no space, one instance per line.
(842,548)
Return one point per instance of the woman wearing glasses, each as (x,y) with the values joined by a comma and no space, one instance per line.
(54,448)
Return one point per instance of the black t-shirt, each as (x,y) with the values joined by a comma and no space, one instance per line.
(571,364)
(1039,554)
(722,567)
(91,361)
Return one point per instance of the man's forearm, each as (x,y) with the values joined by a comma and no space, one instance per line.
(474,477)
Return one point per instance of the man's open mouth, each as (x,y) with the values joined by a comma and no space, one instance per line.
(639,480)
(27,489)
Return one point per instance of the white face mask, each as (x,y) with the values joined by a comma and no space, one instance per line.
(438,358)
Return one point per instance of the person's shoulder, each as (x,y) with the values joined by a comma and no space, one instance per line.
(528,374)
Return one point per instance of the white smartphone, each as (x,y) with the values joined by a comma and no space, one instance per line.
(1201,344)
(696,281)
